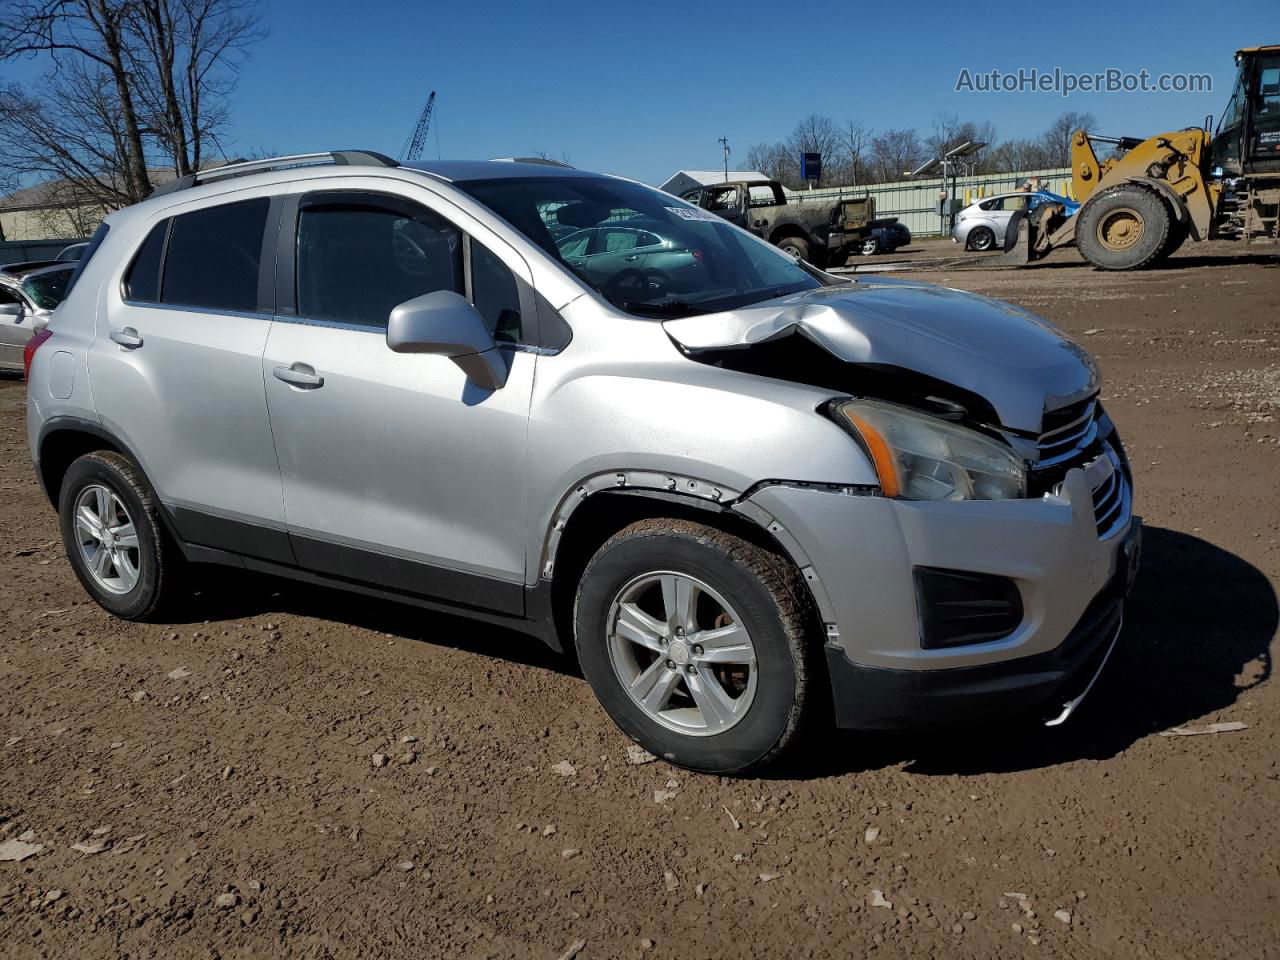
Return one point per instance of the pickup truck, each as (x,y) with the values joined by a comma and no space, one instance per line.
(822,232)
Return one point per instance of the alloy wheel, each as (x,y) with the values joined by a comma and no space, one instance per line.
(682,653)
(107,539)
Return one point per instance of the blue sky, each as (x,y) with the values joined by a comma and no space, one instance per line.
(644,89)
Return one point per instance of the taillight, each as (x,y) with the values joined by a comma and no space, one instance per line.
(29,351)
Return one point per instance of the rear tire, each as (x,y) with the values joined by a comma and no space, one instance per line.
(733,702)
(114,538)
(1123,228)
(798,247)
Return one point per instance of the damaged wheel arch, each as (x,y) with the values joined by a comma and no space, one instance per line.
(605,502)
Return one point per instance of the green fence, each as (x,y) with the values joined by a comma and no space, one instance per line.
(915,202)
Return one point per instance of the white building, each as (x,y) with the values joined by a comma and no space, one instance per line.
(687,180)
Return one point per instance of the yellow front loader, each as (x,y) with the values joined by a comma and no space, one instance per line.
(1140,204)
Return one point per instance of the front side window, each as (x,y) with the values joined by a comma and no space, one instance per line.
(213,257)
(725,198)
(495,294)
(690,260)
(356,262)
(1269,88)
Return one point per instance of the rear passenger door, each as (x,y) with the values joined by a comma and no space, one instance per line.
(398,471)
(176,371)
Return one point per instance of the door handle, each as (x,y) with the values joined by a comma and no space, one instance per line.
(299,375)
(128,337)
(632,258)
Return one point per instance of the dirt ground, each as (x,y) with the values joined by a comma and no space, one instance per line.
(222,769)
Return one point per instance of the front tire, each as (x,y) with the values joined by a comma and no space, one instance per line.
(1123,228)
(114,538)
(980,238)
(698,644)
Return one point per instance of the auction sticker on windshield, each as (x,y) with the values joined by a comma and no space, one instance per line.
(693,213)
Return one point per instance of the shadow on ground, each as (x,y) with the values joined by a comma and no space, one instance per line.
(1198,632)
(233,595)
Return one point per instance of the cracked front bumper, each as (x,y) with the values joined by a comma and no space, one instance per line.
(862,551)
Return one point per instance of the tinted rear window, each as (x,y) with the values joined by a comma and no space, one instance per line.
(142,282)
(214,255)
(94,243)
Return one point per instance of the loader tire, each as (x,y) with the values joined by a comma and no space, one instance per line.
(1178,233)
(1124,228)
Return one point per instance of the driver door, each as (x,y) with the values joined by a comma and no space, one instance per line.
(398,471)
(727,202)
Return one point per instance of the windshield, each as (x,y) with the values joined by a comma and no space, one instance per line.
(47,288)
(645,251)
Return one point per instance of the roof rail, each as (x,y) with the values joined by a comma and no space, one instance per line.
(243,168)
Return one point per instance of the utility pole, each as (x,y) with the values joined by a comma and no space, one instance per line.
(724,142)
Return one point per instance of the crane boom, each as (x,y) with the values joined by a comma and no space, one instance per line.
(413,146)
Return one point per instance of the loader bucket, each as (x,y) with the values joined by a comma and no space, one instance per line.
(1018,242)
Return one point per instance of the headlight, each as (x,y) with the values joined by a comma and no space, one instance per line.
(919,457)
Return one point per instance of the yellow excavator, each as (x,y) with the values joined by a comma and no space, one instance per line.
(1140,204)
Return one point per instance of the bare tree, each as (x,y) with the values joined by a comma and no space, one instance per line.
(1056,141)
(856,146)
(186,61)
(894,153)
(950,132)
(87,32)
(132,84)
(1017,155)
(775,161)
(815,134)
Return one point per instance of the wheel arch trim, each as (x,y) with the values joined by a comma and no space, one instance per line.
(1162,187)
(73,424)
(693,492)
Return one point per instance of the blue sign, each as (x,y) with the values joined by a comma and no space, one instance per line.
(810,166)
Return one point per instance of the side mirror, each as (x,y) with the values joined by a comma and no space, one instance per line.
(445,324)
(15,310)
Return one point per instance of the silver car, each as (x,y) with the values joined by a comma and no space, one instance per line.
(982,225)
(770,494)
(27,299)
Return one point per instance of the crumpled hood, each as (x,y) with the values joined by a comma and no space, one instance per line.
(1022,365)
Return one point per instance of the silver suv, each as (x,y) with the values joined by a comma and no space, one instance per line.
(748,494)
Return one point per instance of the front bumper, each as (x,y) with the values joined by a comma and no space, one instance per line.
(861,551)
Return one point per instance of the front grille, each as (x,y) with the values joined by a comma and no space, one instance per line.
(1070,439)
(1067,431)
(1109,497)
